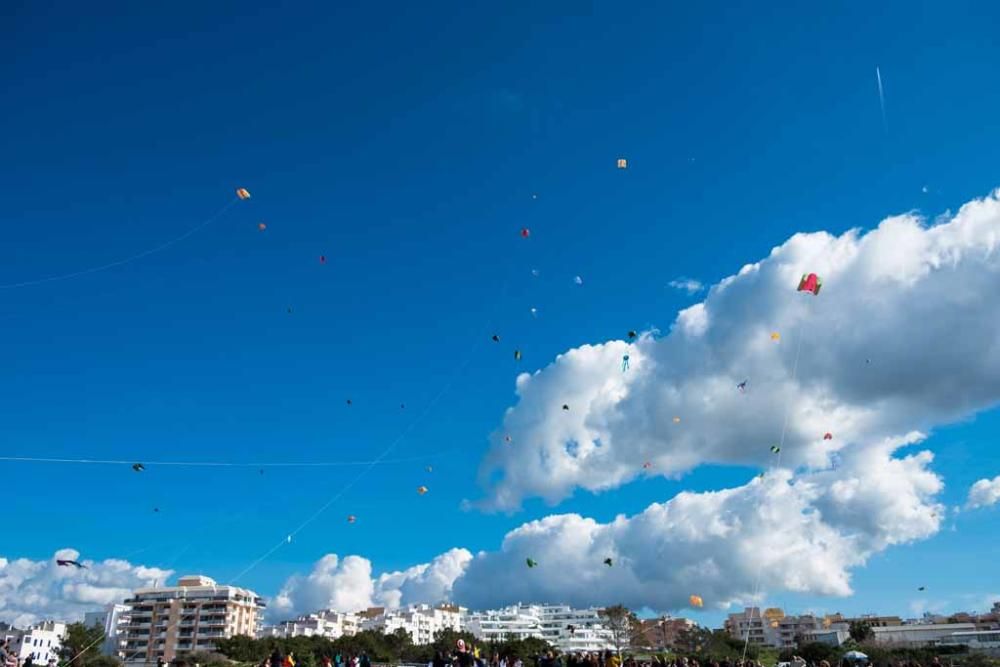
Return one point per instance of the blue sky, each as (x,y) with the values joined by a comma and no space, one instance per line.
(405,145)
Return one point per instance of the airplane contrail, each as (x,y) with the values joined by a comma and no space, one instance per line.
(881,97)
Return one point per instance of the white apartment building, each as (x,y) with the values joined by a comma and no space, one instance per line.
(774,629)
(190,616)
(113,619)
(421,621)
(750,624)
(325,623)
(568,629)
(40,642)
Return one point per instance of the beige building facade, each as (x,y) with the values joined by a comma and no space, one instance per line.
(191,616)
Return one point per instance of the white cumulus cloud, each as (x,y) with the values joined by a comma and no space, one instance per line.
(895,341)
(348,585)
(801,532)
(31,591)
(984,493)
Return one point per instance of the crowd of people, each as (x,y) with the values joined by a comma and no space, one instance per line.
(9,658)
(336,660)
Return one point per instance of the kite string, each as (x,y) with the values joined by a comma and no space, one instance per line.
(306,464)
(85,649)
(406,431)
(145,253)
(781,444)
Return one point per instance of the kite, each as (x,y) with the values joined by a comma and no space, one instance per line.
(525,232)
(402,406)
(351,518)
(647,465)
(322,259)
(828,436)
(696,601)
(421,490)
(66,563)
(536,272)
(742,386)
(622,163)
(565,406)
(429,469)
(775,335)
(677,420)
(632,335)
(261,471)
(775,449)
(810,283)
(495,338)
(261,226)
(507,438)
(289,310)
(517,355)
(531,563)
(156,509)
(578,280)
(350,402)
(534,312)
(138,467)
(289,539)
(624,363)
(608,562)
(242,193)
(921,588)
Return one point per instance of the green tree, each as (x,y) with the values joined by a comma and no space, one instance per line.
(104,661)
(243,649)
(860,631)
(622,623)
(82,643)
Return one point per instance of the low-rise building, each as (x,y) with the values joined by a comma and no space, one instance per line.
(566,628)
(985,641)
(326,623)
(919,635)
(876,621)
(40,642)
(113,619)
(421,621)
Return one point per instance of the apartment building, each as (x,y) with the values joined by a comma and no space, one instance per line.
(191,616)
(421,621)
(325,623)
(751,624)
(113,619)
(660,634)
(566,628)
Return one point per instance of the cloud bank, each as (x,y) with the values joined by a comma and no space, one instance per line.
(899,339)
(31,591)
